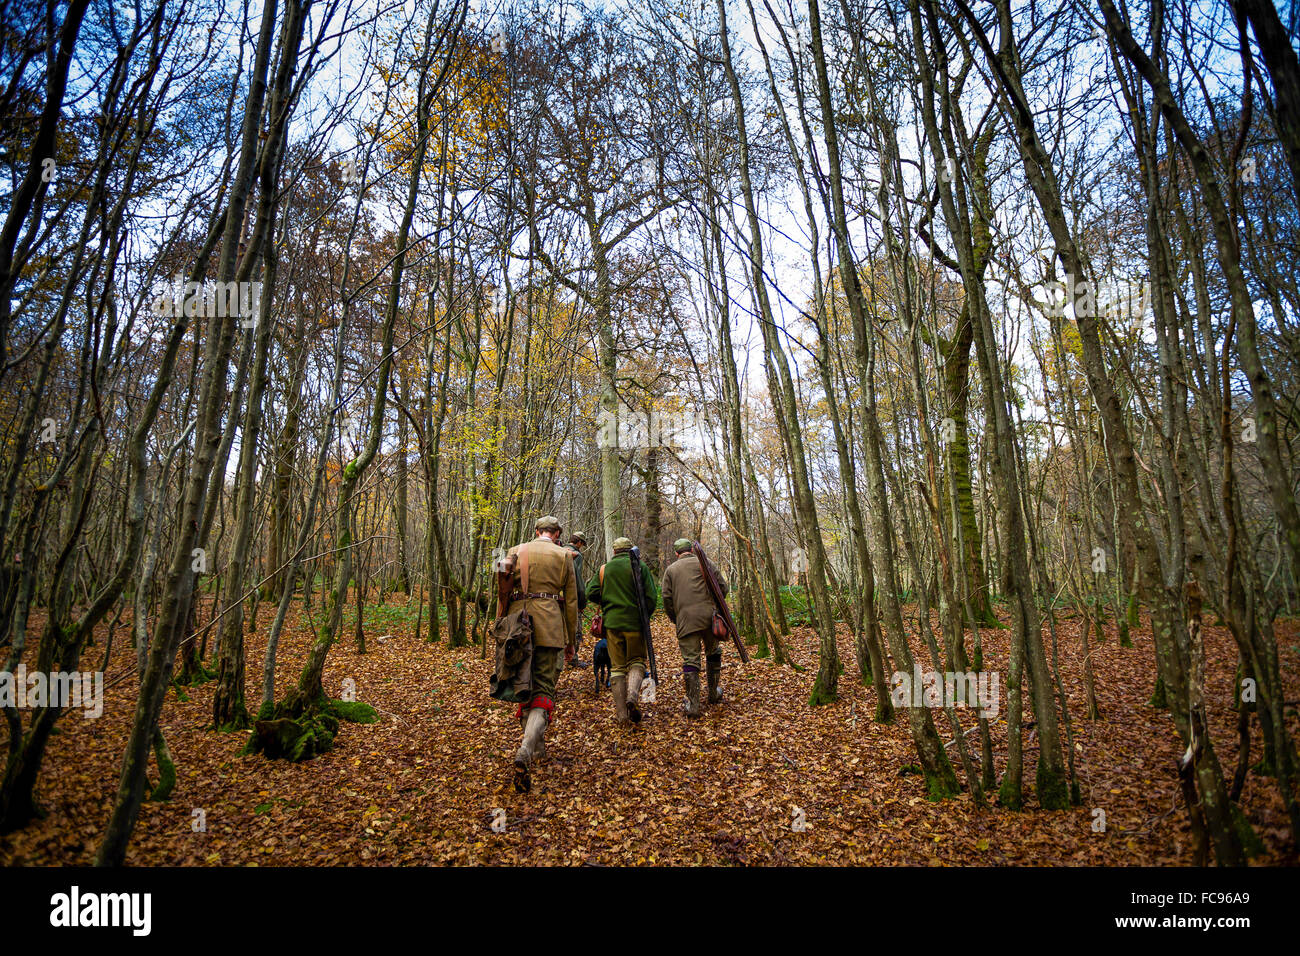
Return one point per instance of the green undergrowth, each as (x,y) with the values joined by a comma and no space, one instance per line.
(376,618)
(280,736)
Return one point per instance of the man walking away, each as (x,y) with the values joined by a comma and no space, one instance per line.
(545,583)
(578,541)
(689,605)
(612,590)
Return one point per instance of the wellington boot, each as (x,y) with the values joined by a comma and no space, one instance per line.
(635,675)
(618,688)
(692,706)
(714,674)
(532,747)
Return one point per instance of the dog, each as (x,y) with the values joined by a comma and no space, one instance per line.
(600,663)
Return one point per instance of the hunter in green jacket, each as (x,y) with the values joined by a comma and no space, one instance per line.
(611,590)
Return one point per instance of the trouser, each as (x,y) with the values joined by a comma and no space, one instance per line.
(626,650)
(689,645)
(546,668)
(565,661)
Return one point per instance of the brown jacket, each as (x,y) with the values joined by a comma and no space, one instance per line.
(686,597)
(550,571)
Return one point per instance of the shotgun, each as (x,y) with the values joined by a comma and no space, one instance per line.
(719,602)
(643,611)
(505,570)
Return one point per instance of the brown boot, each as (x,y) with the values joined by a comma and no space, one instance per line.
(714,665)
(618,687)
(533,746)
(692,706)
(635,674)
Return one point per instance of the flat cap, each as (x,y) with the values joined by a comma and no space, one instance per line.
(683,544)
(622,544)
(578,536)
(547,523)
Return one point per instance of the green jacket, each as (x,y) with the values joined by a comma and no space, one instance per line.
(615,596)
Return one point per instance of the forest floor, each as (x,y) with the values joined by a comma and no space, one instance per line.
(425,783)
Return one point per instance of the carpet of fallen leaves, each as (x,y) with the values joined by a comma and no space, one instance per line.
(425,784)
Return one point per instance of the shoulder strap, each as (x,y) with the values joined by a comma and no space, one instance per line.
(523,568)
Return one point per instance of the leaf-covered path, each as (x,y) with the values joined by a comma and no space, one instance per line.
(421,785)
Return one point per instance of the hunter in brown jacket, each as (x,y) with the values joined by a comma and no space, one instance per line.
(544,581)
(689,606)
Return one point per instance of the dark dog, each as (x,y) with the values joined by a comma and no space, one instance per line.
(600,663)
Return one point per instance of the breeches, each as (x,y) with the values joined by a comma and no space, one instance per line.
(626,648)
(546,668)
(689,645)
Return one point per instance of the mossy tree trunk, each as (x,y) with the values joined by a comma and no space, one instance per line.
(867,641)
(781,386)
(219,342)
(228,709)
(308,696)
(1168,621)
(968,227)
